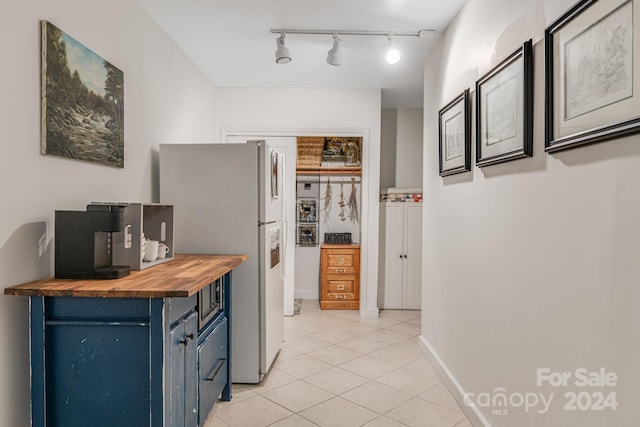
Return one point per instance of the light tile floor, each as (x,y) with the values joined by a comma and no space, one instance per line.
(337,369)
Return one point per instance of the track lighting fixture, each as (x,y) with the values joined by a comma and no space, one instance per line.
(334,56)
(393,54)
(282,53)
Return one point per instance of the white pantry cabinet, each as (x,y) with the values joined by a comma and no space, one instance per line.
(400,267)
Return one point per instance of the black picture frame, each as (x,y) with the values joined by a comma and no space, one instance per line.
(454,135)
(606,107)
(504,109)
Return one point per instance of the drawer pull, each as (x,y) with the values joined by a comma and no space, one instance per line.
(216,369)
(341,270)
(341,287)
(341,297)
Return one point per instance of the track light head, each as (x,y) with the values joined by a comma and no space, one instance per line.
(334,56)
(392,54)
(283,56)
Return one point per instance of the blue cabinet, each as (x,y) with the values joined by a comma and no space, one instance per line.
(182,381)
(127,361)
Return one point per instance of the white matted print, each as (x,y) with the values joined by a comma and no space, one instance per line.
(504,110)
(591,70)
(455,135)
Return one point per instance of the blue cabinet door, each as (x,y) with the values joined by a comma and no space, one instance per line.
(183,377)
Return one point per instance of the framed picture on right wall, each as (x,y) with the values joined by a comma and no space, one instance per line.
(592,67)
(504,110)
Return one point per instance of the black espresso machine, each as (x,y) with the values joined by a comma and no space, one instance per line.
(83,243)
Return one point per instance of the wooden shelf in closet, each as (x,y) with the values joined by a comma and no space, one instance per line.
(347,170)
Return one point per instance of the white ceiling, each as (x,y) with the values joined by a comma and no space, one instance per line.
(231,42)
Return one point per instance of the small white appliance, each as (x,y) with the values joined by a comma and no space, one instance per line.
(228,199)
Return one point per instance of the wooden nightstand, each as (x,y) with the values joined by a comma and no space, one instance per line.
(340,276)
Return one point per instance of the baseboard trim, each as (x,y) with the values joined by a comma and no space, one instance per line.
(307,295)
(369,313)
(471,411)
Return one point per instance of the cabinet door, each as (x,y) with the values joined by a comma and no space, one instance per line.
(412,273)
(393,256)
(191,371)
(183,379)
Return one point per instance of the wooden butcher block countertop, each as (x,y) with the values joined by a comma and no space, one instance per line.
(183,276)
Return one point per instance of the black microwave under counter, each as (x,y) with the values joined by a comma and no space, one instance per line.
(209,302)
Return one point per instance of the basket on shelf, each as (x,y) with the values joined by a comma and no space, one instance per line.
(337,238)
(309,151)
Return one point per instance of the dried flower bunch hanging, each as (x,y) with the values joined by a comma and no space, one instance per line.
(342,204)
(354,216)
(327,200)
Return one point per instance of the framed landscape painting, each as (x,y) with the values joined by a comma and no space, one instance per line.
(454,128)
(504,110)
(592,68)
(82,102)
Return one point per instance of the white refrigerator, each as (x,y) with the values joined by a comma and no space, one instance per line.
(228,198)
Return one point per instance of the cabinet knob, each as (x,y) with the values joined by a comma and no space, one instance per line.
(184,341)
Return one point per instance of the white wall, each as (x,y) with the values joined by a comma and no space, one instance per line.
(166,99)
(532,263)
(319,112)
(409,147)
(388,147)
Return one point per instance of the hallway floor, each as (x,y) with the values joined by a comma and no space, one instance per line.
(337,369)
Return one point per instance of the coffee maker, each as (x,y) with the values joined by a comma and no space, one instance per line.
(83,243)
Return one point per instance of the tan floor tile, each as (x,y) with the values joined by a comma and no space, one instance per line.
(441,396)
(381,322)
(386,336)
(399,356)
(362,345)
(333,335)
(334,354)
(338,412)
(409,381)
(357,328)
(302,326)
(412,343)
(293,421)
(421,413)
(302,366)
(406,328)
(416,321)
(239,392)
(286,353)
(336,380)
(383,421)
(213,421)
(276,378)
(304,344)
(376,397)
(254,412)
(298,395)
(369,367)
(290,334)
(422,365)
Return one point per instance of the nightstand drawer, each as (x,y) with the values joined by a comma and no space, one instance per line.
(342,284)
(341,259)
(341,270)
